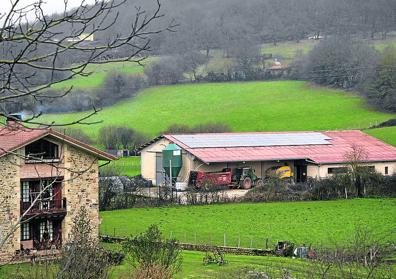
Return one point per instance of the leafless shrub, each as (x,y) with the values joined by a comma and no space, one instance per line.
(151,253)
(82,257)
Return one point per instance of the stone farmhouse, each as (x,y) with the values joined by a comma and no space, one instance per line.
(59,173)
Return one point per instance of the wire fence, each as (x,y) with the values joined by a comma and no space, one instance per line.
(204,238)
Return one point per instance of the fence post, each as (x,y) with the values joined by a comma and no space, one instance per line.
(239,241)
(114,232)
(251,242)
(225,240)
(195,237)
(266,243)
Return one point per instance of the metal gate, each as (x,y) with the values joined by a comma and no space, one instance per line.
(160,172)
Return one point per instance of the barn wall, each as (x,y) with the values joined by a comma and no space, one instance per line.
(379,167)
(313,171)
(148,159)
(148,162)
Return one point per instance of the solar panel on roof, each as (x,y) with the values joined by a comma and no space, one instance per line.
(254,139)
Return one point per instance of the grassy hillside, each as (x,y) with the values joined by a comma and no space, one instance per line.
(252,106)
(284,50)
(387,134)
(319,222)
(99,73)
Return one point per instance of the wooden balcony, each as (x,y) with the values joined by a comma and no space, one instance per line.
(44,207)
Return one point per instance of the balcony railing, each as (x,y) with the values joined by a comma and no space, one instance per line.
(44,206)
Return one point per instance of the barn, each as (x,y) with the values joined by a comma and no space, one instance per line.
(308,154)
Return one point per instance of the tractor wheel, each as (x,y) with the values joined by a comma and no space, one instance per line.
(246,183)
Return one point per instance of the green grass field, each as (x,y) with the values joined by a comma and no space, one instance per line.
(192,267)
(251,106)
(99,72)
(322,223)
(128,166)
(288,50)
(387,134)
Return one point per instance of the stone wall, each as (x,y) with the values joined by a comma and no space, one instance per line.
(9,204)
(80,188)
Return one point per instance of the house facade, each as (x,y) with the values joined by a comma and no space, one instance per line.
(309,154)
(45,178)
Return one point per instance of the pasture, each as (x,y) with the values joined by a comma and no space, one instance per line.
(387,134)
(249,106)
(192,267)
(128,166)
(99,72)
(321,223)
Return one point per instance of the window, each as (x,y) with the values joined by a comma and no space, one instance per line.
(25,191)
(42,149)
(370,169)
(46,228)
(337,170)
(25,231)
(386,170)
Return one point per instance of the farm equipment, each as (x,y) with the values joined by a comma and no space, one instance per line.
(284,172)
(239,177)
(284,248)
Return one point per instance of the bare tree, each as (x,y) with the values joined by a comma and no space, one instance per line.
(355,158)
(34,44)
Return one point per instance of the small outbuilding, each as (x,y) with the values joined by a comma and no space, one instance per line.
(308,154)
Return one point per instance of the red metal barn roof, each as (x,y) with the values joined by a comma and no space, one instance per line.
(319,147)
(13,137)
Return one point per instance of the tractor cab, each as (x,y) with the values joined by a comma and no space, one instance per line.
(245,178)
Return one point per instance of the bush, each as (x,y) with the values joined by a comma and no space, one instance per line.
(117,87)
(149,251)
(381,90)
(82,257)
(77,134)
(115,257)
(165,71)
(340,62)
(113,137)
(335,187)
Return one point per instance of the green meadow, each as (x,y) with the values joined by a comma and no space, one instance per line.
(320,223)
(249,106)
(99,72)
(387,134)
(192,267)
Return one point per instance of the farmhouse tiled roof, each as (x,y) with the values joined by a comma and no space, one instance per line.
(333,151)
(15,136)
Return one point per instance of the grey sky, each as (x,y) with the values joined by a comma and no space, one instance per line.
(49,6)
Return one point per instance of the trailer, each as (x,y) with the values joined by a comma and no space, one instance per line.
(237,178)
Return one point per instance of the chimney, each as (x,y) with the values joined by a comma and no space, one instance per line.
(13,119)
